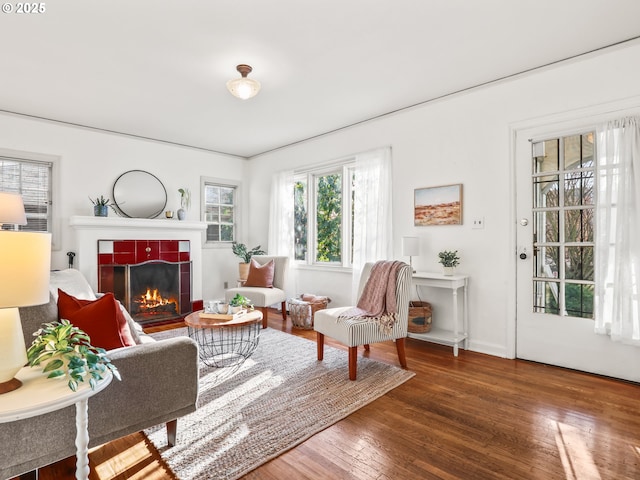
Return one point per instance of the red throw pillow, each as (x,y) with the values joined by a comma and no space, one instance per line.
(101,319)
(260,275)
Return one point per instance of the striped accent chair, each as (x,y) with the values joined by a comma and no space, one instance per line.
(354,333)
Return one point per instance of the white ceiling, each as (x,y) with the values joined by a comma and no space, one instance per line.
(158,69)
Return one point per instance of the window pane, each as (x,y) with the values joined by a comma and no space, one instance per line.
(579,300)
(300,219)
(578,263)
(587,150)
(213,233)
(549,261)
(546,225)
(545,191)
(226,233)
(545,297)
(226,196)
(578,188)
(329,218)
(212,214)
(226,214)
(578,225)
(549,161)
(212,194)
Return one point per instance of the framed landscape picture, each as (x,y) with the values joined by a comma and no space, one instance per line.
(438,205)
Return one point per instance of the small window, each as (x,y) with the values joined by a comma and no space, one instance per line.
(220,207)
(32,179)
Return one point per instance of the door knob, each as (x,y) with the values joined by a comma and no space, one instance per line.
(523,256)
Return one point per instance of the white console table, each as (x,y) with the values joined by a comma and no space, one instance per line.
(39,394)
(438,334)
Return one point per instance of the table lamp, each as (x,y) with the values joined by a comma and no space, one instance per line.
(25,259)
(410,248)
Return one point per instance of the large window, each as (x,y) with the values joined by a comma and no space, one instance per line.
(32,179)
(323,216)
(220,207)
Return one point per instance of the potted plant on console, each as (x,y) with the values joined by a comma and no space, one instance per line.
(449,260)
(241,251)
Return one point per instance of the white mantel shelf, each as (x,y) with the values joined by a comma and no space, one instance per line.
(78,221)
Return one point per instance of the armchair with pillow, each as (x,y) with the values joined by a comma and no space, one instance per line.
(265,285)
(159,379)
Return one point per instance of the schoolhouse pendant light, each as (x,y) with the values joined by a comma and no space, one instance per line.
(243,87)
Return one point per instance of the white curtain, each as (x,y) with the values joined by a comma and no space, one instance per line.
(281,220)
(617,253)
(372,231)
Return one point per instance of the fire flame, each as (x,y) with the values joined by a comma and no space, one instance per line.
(153,299)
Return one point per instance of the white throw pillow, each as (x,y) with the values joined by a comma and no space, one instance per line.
(70,281)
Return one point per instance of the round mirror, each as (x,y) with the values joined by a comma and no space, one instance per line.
(139,194)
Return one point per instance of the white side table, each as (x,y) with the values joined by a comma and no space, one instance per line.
(39,394)
(453,336)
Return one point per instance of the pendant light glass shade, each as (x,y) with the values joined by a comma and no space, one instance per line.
(243,87)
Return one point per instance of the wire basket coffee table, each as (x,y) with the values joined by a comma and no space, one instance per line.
(225,343)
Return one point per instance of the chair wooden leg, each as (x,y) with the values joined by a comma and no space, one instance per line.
(320,342)
(401,353)
(172,431)
(265,318)
(284,311)
(366,347)
(353,362)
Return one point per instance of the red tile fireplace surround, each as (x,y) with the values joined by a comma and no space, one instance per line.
(152,278)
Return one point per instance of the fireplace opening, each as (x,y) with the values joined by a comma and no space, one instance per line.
(155,290)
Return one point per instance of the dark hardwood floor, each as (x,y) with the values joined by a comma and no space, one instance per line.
(470,417)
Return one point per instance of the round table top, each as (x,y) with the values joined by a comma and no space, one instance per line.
(194,320)
(39,394)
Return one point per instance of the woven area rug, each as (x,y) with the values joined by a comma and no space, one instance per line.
(277,399)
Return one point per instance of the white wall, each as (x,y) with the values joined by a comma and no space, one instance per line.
(90,162)
(460,139)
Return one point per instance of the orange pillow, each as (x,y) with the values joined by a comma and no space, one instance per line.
(260,275)
(101,319)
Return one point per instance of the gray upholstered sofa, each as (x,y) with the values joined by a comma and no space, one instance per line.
(159,385)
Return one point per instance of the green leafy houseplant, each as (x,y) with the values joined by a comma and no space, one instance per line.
(241,301)
(240,250)
(449,258)
(64,351)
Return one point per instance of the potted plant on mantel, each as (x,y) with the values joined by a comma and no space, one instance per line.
(449,260)
(64,351)
(241,251)
(101,206)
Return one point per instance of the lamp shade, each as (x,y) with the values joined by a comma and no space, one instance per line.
(410,246)
(12,209)
(25,261)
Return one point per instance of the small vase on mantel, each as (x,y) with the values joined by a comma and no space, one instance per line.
(182,214)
